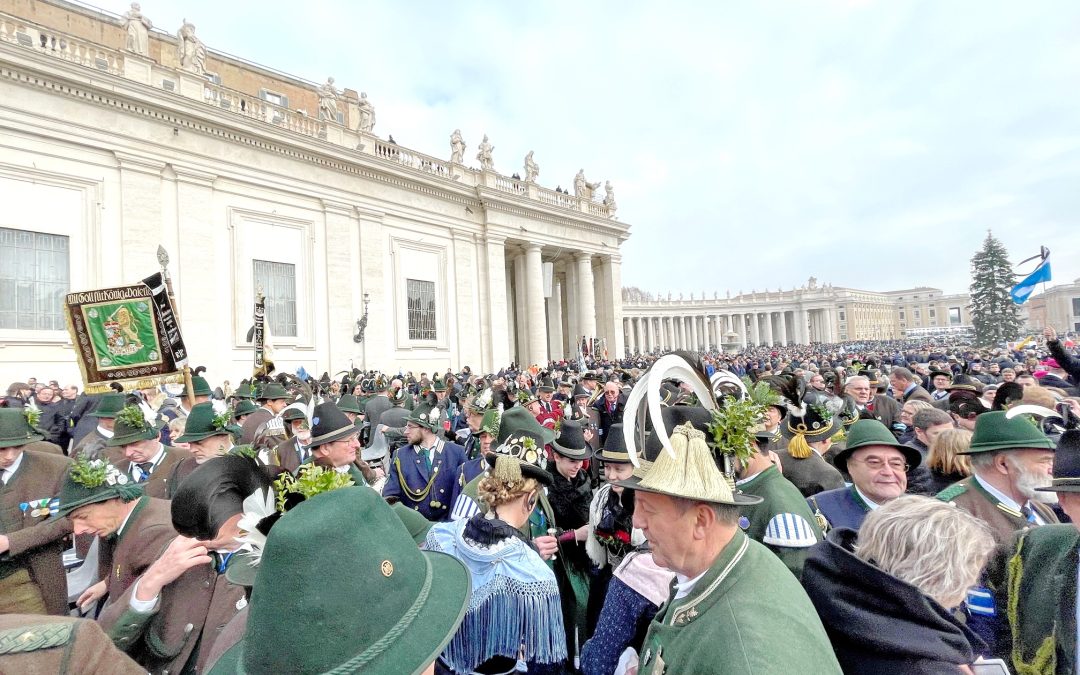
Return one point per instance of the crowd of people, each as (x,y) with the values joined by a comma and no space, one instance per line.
(875,507)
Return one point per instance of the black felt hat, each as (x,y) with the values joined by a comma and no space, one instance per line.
(614,450)
(1066,464)
(329,424)
(571,441)
(213,493)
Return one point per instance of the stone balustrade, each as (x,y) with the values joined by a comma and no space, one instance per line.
(46,41)
(16,31)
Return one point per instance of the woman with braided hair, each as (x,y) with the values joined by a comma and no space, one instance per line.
(514,614)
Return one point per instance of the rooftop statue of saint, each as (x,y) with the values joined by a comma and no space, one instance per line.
(532,169)
(367,113)
(190,49)
(457,147)
(328,100)
(487,162)
(138,27)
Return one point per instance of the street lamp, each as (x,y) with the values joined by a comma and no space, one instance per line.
(362,323)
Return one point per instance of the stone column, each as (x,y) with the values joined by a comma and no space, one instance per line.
(555,317)
(611,276)
(639,336)
(572,308)
(534,300)
(783,329)
(830,323)
(694,335)
(768,329)
(718,330)
(586,299)
(802,332)
(755,329)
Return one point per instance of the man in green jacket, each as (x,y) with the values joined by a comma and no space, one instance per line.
(734,607)
(1035,582)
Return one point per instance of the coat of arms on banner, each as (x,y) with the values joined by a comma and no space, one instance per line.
(123,334)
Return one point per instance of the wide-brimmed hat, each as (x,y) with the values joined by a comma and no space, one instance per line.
(438,384)
(688,470)
(89,481)
(108,406)
(348,403)
(15,428)
(570,442)
(391,609)
(614,450)
(131,427)
(581,392)
(995,432)
(427,416)
(329,424)
(272,391)
(867,433)
(245,391)
(523,438)
(591,376)
(546,386)
(1066,464)
(202,423)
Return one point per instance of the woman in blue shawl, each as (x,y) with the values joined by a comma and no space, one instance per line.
(514,614)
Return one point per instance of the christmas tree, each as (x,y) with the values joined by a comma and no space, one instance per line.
(993,312)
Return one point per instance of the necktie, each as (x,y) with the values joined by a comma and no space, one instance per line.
(427,458)
(1026,511)
(144,469)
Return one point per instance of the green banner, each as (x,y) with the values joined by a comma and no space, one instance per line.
(123,334)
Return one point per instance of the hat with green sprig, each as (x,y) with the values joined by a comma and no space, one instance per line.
(427,416)
(392,609)
(522,438)
(18,426)
(438,384)
(818,423)
(109,405)
(202,423)
(491,422)
(272,391)
(89,481)
(483,401)
(245,391)
(131,427)
(525,397)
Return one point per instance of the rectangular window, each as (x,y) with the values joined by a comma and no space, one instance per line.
(421,309)
(274,97)
(1076,306)
(954,316)
(901,315)
(918,314)
(842,315)
(34,278)
(278,284)
(933,314)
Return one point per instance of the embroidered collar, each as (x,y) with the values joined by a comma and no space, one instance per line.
(1004,501)
(863,500)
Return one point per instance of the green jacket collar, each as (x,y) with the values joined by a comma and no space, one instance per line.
(709,587)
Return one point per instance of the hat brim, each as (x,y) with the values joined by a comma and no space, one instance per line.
(1062,485)
(242,569)
(527,470)
(422,641)
(145,435)
(229,430)
(344,432)
(738,499)
(912,456)
(613,458)
(16,442)
(811,435)
(1001,447)
(572,453)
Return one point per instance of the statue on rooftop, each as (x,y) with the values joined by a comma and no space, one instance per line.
(328,100)
(609,197)
(190,50)
(138,26)
(457,147)
(532,169)
(367,113)
(582,187)
(487,162)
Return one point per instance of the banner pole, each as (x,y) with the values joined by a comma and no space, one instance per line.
(163,260)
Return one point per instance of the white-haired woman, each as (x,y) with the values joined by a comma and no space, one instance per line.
(886,599)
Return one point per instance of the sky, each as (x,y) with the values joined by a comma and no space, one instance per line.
(751,145)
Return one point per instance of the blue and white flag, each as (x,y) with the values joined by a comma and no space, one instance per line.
(1021,291)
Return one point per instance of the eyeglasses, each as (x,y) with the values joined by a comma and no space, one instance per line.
(877,464)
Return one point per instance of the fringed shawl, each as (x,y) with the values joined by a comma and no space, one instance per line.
(514,610)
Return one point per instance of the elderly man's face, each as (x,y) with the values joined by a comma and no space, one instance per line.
(141,451)
(341,452)
(611,392)
(817,382)
(45,395)
(879,471)
(860,391)
(668,528)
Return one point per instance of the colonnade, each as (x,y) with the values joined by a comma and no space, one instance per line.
(714,330)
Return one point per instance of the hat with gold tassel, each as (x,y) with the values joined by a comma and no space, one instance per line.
(817,424)
(683,464)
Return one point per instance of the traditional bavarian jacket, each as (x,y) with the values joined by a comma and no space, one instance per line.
(1004,520)
(429,491)
(729,621)
(782,521)
(843,507)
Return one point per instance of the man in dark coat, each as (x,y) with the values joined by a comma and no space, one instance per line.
(146,460)
(609,409)
(423,474)
(91,442)
(906,387)
(265,422)
(31,536)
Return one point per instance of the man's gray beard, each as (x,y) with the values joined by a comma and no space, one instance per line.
(1026,483)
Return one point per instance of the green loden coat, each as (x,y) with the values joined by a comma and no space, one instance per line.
(746,616)
(795,529)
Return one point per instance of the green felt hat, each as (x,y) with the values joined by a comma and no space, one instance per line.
(522,438)
(994,432)
(244,391)
(414,522)
(131,427)
(200,386)
(348,403)
(427,416)
(202,423)
(89,481)
(15,429)
(438,385)
(491,423)
(295,411)
(108,405)
(866,433)
(244,407)
(482,401)
(391,609)
(272,391)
